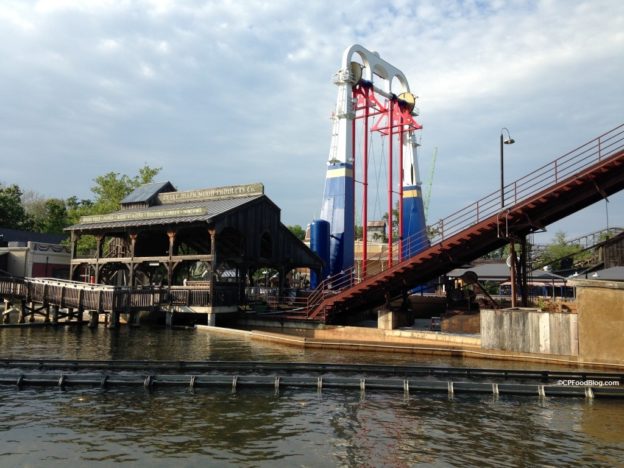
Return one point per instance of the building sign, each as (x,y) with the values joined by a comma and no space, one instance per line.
(219,193)
(133,215)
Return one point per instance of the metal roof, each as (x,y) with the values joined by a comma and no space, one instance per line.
(609,274)
(485,271)
(147,192)
(15,235)
(499,271)
(212,209)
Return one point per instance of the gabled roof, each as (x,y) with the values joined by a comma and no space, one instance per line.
(160,203)
(175,213)
(147,193)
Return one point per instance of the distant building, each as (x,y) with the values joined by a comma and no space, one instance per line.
(376,231)
(611,254)
(33,254)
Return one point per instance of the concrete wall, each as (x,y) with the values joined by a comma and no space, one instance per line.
(530,331)
(601,320)
(461,323)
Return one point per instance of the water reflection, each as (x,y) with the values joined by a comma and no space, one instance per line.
(188,344)
(294,427)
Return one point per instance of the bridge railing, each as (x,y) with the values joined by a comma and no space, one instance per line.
(520,190)
(568,165)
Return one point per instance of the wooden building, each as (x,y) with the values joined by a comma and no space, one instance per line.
(211,238)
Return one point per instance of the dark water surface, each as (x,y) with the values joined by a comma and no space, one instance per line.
(174,427)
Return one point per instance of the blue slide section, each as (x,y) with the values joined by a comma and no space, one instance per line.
(414,226)
(338,210)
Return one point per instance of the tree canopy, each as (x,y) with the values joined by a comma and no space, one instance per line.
(559,253)
(298,231)
(12,212)
(32,211)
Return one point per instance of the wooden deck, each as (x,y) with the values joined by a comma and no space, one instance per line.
(55,299)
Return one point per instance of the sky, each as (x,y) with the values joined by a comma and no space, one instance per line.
(236,92)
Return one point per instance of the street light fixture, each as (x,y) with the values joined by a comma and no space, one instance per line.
(512,250)
(503,141)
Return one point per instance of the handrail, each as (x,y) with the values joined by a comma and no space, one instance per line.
(520,190)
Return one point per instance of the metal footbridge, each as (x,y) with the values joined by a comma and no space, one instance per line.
(579,178)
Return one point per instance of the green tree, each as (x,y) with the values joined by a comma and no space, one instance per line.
(298,231)
(109,190)
(55,219)
(47,215)
(395,220)
(559,253)
(12,213)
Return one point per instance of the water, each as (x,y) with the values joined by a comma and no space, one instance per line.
(173,427)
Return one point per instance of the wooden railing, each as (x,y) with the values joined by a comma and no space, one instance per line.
(104,298)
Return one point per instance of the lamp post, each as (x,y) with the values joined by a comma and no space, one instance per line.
(512,250)
(503,141)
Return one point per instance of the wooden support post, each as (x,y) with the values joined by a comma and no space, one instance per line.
(114,320)
(55,314)
(72,243)
(22,312)
(47,313)
(79,313)
(94,318)
(211,319)
(98,253)
(171,234)
(133,239)
(213,266)
(70,314)
(31,307)
(6,316)
(135,318)
(169,319)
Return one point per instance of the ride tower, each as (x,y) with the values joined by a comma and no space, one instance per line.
(376,95)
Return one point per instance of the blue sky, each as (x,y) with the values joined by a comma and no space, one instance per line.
(232,92)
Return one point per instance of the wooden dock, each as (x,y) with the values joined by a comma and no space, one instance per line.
(62,301)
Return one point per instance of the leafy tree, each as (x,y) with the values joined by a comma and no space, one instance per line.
(111,188)
(395,221)
(359,232)
(55,216)
(46,215)
(559,253)
(12,213)
(298,231)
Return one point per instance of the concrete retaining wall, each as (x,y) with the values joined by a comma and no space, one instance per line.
(530,331)
(601,320)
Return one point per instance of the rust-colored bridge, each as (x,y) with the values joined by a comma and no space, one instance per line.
(568,184)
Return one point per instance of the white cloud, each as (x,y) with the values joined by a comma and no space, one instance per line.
(224,92)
